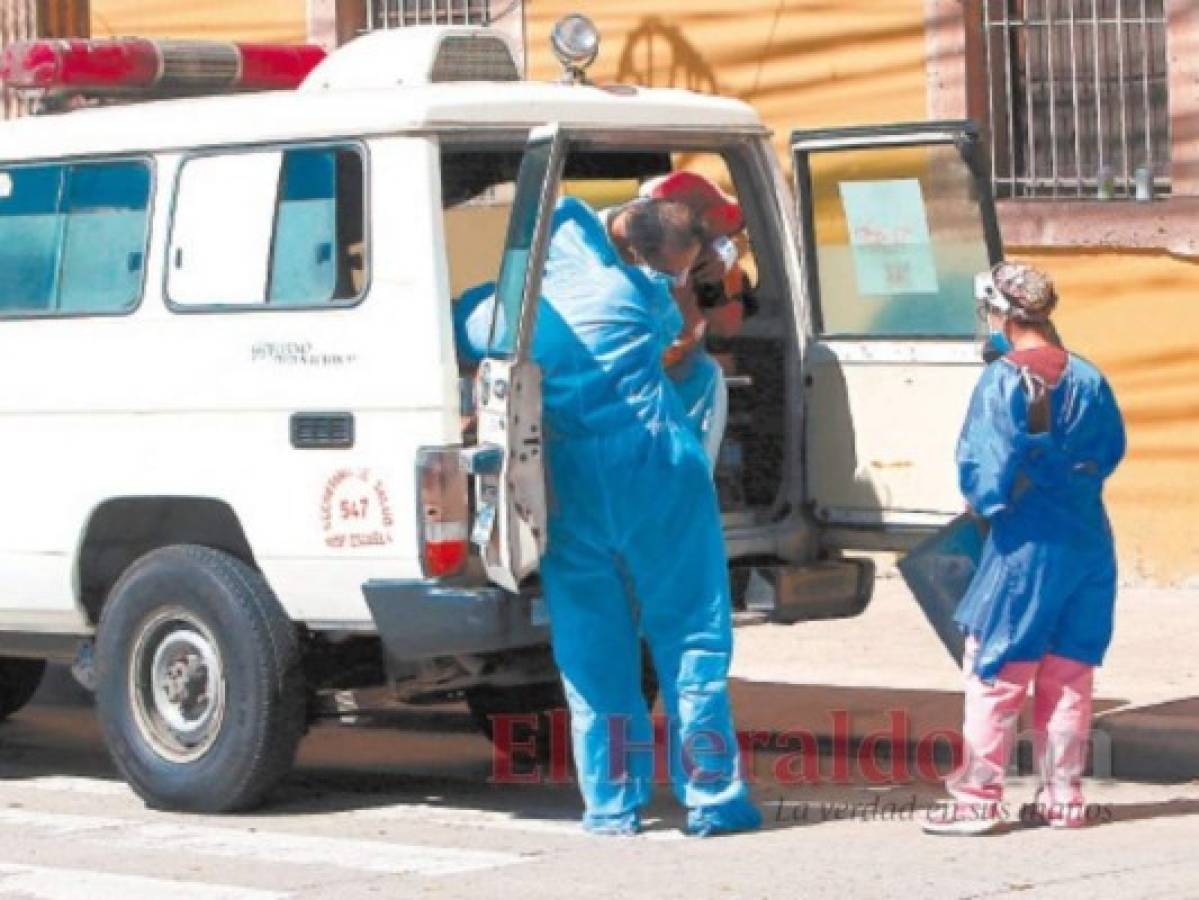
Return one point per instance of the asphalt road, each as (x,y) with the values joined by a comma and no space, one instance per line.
(402,806)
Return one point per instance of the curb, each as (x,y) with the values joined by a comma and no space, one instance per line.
(1152,744)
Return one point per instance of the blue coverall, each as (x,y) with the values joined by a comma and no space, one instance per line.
(699,382)
(1046,582)
(635,545)
(697,378)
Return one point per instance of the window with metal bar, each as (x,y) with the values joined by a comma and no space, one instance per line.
(403,13)
(1076,97)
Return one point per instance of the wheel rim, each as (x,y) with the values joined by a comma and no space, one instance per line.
(177,685)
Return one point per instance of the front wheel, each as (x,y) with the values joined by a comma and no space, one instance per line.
(200,691)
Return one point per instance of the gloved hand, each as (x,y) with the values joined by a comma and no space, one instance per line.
(684,345)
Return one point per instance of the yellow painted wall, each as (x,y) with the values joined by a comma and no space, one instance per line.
(801,63)
(1136,315)
(274,21)
(809,63)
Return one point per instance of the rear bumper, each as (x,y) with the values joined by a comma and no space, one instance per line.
(425,619)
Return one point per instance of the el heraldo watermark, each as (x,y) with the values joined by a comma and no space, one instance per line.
(530,748)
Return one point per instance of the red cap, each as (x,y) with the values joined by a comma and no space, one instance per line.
(721,214)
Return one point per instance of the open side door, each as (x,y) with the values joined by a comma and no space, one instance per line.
(896,222)
(508,463)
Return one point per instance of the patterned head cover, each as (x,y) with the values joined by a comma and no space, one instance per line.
(1030,292)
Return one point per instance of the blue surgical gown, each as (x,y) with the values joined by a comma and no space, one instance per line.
(1046,581)
(635,545)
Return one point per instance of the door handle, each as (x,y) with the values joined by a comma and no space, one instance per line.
(322,430)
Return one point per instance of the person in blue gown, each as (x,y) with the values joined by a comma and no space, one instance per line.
(1042,435)
(635,546)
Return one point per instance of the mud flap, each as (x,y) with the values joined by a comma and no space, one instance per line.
(830,589)
(938,573)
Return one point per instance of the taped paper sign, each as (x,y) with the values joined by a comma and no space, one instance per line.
(888,233)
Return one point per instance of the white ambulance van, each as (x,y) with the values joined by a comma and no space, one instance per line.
(244,466)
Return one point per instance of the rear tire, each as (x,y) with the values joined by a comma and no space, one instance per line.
(540,700)
(19,680)
(200,689)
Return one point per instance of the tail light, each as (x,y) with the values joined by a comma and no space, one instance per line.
(444,516)
(136,67)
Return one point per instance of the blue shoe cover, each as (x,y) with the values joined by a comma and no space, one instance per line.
(727,818)
(623,825)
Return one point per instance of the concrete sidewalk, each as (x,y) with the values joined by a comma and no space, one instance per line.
(854,674)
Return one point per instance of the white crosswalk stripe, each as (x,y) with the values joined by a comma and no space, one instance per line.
(42,883)
(382,857)
(491,820)
(73,784)
(414,812)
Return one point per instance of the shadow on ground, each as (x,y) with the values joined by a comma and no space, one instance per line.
(817,754)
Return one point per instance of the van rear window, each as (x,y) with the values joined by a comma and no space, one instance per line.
(73,237)
(269,228)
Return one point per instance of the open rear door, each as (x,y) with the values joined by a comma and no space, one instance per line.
(508,463)
(896,222)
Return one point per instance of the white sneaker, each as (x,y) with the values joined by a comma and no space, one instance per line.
(1055,815)
(1068,815)
(951,819)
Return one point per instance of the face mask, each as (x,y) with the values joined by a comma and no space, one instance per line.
(656,275)
(665,279)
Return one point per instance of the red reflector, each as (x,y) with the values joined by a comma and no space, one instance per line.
(444,511)
(136,66)
(444,557)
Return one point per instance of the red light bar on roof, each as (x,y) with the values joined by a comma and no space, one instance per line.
(125,67)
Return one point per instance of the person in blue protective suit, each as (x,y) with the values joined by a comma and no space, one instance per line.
(635,546)
(713,296)
(1042,434)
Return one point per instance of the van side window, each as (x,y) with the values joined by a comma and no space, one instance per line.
(895,257)
(269,229)
(73,237)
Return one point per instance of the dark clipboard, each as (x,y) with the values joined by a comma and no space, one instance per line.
(939,571)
